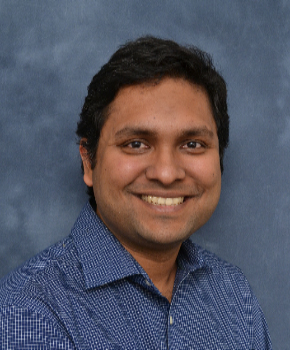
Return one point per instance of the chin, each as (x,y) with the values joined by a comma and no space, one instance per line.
(166,238)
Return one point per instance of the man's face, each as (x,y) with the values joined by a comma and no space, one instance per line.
(157,177)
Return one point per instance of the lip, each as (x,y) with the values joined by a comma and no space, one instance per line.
(162,194)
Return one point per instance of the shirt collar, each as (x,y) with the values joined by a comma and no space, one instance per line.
(104,259)
(190,257)
(102,256)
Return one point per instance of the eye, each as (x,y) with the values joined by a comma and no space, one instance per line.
(193,145)
(136,144)
(135,147)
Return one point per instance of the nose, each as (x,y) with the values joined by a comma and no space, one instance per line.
(165,167)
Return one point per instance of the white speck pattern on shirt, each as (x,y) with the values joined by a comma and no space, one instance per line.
(88,292)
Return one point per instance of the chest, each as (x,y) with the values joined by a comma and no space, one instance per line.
(127,315)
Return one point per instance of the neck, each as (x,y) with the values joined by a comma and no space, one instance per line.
(160,266)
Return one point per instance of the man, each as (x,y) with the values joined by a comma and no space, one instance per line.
(153,131)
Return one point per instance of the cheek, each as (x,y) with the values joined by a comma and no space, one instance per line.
(206,171)
(119,171)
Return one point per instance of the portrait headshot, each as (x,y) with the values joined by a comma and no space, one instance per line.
(144,175)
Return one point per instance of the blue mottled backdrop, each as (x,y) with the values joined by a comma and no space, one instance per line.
(50,50)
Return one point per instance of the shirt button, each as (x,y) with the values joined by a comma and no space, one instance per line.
(148,283)
(171,320)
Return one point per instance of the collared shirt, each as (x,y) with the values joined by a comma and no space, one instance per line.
(88,292)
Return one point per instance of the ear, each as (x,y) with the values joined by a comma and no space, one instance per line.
(88,172)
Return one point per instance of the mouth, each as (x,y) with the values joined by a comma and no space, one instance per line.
(162,201)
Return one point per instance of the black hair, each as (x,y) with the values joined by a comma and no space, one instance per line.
(150,59)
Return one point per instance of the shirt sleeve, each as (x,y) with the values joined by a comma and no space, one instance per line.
(26,330)
(261,337)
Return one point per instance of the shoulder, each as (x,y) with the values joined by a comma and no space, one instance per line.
(41,276)
(218,272)
(31,296)
(201,257)
(217,264)
(222,288)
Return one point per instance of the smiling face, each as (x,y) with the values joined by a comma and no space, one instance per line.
(157,177)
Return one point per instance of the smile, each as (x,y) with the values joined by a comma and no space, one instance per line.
(162,201)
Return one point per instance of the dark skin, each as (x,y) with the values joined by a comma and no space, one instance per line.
(157,177)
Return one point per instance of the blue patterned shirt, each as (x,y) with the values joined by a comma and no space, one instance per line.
(88,292)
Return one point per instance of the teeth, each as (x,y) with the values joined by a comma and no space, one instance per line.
(163,201)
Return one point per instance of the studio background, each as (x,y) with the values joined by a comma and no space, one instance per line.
(50,50)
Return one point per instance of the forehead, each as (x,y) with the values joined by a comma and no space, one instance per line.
(175,102)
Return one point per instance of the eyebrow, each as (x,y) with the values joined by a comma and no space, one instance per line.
(199,131)
(131,131)
(140,131)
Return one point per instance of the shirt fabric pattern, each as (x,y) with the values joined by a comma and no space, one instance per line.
(87,292)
